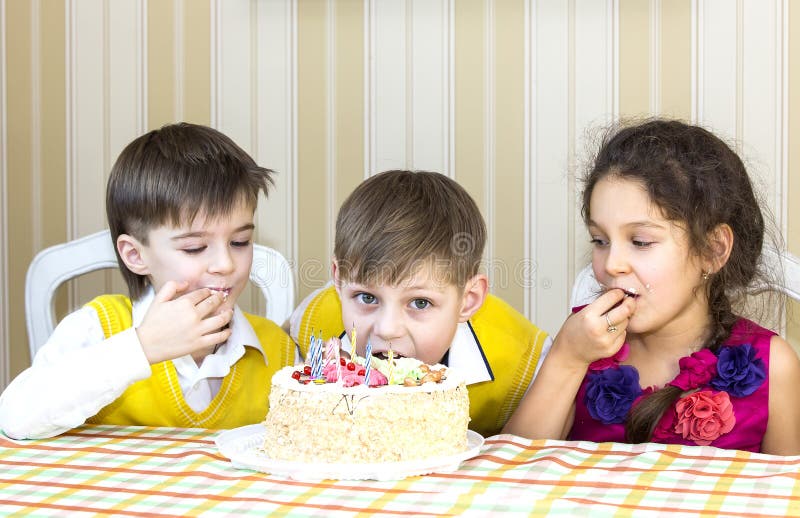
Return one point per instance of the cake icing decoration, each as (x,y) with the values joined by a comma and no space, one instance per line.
(369,370)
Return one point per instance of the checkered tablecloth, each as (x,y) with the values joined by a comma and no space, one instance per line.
(135,471)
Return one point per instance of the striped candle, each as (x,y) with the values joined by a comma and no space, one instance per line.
(312,355)
(320,363)
(353,348)
(329,356)
(338,361)
(367,362)
(391,365)
(316,366)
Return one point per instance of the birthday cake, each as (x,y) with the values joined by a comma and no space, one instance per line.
(366,411)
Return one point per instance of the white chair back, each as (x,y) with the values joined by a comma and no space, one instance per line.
(57,264)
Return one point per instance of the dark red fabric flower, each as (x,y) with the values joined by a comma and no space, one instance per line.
(703,416)
(696,370)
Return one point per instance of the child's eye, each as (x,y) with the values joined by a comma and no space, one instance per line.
(366,298)
(240,244)
(596,241)
(420,303)
(194,251)
(641,244)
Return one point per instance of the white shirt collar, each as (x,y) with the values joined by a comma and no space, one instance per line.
(215,365)
(465,355)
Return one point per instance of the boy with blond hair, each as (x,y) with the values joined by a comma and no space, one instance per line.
(406,276)
(178,351)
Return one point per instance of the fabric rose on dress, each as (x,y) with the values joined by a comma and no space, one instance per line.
(704,416)
(611,392)
(696,370)
(739,372)
(611,361)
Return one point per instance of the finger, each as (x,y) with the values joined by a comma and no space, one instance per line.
(219,337)
(209,306)
(619,341)
(169,290)
(606,302)
(199,295)
(213,323)
(619,315)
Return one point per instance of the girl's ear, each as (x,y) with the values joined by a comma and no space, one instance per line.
(130,251)
(721,240)
(475,293)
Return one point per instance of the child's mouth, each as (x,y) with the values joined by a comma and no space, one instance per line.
(222,291)
(631,292)
(384,355)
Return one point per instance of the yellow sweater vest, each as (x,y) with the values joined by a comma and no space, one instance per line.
(158,400)
(511,345)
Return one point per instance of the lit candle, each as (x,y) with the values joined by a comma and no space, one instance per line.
(391,364)
(367,361)
(310,353)
(320,363)
(316,370)
(312,356)
(353,349)
(329,356)
(338,361)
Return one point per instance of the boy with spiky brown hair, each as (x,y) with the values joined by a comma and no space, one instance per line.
(406,276)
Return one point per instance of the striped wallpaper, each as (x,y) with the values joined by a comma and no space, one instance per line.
(501,95)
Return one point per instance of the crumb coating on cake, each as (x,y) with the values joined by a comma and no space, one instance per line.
(334,424)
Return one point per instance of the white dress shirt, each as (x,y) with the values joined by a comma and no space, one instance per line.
(78,371)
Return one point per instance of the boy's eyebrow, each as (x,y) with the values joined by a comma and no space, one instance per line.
(201,233)
(420,287)
(424,287)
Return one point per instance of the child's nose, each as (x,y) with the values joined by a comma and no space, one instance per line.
(616,262)
(222,262)
(388,326)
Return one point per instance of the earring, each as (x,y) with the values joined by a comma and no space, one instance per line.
(706,275)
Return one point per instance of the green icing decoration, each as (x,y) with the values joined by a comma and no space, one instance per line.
(403,368)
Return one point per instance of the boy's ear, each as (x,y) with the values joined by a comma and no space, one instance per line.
(721,240)
(130,251)
(335,274)
(474,294)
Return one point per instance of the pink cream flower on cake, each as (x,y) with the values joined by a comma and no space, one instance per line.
(353,377)
(704,416)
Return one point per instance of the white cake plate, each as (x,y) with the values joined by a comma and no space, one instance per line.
(243,447)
